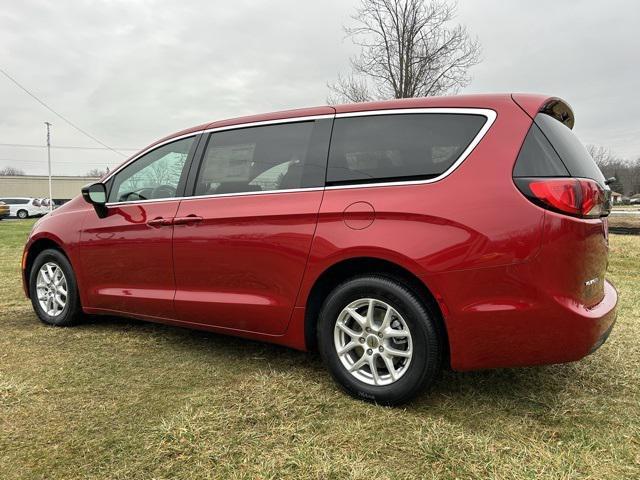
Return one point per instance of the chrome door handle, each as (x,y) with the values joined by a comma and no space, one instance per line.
(159,222)
(188,220)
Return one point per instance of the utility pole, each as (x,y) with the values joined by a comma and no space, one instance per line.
(49,163)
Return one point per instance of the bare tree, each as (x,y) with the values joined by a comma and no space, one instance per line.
(603,156)
(408,49)
(96,172)
(11,171)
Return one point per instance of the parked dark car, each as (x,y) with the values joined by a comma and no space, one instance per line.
(395,237)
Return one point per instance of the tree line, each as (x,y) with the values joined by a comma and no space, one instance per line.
(626,172)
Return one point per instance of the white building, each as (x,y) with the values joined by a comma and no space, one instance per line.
(37,186)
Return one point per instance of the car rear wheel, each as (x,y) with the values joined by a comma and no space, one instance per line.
(22,214)
(53,289)
(379,340)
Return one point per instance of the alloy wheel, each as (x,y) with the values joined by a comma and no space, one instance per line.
(51,289)
(373,341)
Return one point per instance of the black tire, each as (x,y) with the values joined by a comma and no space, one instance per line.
(428,346)
(22,214)
(72,311)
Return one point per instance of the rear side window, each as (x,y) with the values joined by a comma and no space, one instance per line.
(574,155)
(376,148)
(551,149)
(265,158)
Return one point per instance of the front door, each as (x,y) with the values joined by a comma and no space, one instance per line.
(126,257)
(241,244)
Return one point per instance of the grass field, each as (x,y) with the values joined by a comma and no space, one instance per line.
(116,398)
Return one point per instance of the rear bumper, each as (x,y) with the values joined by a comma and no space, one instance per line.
(603,338)
(524,327)
(598,322)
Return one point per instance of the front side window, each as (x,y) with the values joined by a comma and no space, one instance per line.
(153,176)
(369,149)
(266,158)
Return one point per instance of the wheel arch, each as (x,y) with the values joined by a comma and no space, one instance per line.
(358,266)
(33,250)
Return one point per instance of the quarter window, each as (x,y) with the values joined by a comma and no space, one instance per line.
(266,158)
(415,146)
(537,158)
(155,175)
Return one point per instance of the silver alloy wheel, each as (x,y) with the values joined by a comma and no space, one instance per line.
(373,341)
(51,289)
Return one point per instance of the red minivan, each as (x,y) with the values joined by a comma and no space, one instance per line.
(394,237)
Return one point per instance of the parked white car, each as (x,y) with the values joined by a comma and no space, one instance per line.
(44,205)
(23,207)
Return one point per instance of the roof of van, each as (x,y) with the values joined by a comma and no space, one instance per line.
(530,103)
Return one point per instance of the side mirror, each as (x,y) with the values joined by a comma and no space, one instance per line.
(96,195)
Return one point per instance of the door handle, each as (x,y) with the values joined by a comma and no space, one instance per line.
(159,222)
(188,220)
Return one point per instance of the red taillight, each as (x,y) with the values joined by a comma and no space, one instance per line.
(573,196)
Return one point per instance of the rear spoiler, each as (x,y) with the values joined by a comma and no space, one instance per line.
(552,106)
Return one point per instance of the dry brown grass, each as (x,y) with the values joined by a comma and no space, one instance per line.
(121,399)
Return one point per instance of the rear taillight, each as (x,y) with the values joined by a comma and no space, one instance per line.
(578,197)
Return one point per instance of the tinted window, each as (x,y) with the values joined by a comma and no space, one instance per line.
(574,155)
(17,201)
(537,157)
(153,176)
(272,157)
(404,146)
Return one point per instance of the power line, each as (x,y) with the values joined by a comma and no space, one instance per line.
(66,162)
(63,147)
(69,122)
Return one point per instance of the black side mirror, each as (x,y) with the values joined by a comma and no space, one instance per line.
(96,195)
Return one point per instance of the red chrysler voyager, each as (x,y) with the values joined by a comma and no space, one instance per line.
(394,237)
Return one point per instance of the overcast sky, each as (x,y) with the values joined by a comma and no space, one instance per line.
(131,71)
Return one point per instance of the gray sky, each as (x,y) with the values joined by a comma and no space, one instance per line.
(131,71)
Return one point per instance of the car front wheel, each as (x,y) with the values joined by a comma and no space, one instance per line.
(22,214)
(379,340)
(53,289)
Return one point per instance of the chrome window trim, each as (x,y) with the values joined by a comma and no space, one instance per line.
(240,194)
(261,123)
(489,114)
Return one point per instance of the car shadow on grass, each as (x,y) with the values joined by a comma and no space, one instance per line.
(513,391)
